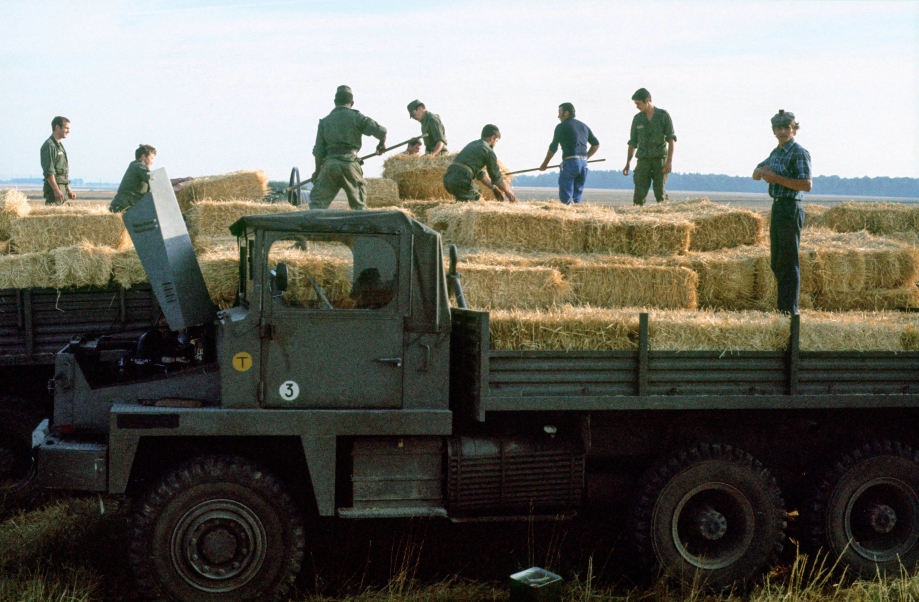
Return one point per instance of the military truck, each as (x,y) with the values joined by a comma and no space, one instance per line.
(361,393)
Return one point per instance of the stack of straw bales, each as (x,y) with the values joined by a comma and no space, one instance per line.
(382,192)
(50,228)
(249,185)
(876,218)
(421,176)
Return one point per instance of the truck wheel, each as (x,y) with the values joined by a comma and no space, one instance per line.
(866,509)
(709,515)
(218,528)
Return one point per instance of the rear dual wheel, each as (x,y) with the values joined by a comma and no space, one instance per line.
(865,511)
(709,515)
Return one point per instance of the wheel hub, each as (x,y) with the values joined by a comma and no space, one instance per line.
(712,524)
(219,545)
(882,518)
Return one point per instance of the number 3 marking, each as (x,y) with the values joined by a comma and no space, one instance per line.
(290,391)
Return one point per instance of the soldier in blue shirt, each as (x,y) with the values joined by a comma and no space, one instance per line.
(788,172)
(573,136)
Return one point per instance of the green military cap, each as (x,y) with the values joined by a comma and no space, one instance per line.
(343,95)
(414,105)
(783,118)
(344,89)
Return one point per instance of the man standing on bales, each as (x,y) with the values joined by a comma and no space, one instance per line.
(477,158)
(54,166)
(436,141)
(788,173)
(337,142)
(574,136)
(652,134)
(136,181)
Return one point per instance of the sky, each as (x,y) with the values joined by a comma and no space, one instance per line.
(217,86)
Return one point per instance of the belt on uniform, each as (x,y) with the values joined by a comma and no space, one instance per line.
(578,157)
(464,166)
(339,150)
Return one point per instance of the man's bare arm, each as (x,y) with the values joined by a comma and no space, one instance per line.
(437,147)
(593,149)
(628,160)
(668,166)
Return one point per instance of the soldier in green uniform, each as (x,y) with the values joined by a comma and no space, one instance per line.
(436,141)
(652,134)
(477,160)
(337,143)
(54,166)
(136,181)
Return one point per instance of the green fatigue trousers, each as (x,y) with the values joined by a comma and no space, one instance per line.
(49,194)
(646,170)
(335,175)
(458,182)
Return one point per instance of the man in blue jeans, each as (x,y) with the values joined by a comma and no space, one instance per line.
(788,172)
(573,136)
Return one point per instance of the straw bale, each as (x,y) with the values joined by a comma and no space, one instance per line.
(874,299)
(249,185)
(562,263)
(910,238)
(877,218)
(858,331)
(859,261)
(13,205)
(604,285)
(396,164)
(45,232)
(70,209)
(727,278)
(404,210)
(4,247)
(220,269)
(513,287)
(677,330)
(213,218)
(208,244)
(420,208)
(567,328)
(382,192)
(813,215)
(84,264)
(421,176)
(29,270)
(127,269)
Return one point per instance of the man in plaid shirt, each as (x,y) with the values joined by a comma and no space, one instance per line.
(788,172)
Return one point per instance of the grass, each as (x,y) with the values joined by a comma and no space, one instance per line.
(73,550)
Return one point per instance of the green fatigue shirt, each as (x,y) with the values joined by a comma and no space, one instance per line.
(340,132)
(479,157)
(134,186)
(54,161)
(650,137)
(434,128)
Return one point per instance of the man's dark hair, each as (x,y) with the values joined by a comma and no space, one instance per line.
(641,94)
(490,130)
(59,122)
(415,142)
(144,149)
(567,106)
(343,98)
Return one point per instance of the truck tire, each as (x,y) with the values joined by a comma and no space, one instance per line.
(709,515)
(218,529)
(865,510)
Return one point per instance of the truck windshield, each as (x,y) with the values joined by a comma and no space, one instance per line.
(337,271)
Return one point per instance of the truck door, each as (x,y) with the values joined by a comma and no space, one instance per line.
(333,339)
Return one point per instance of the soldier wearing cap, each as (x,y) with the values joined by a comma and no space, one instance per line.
(477,160)
(54,166)
(652,135)
(435,142)
(788,173)
(337,142)
(136,181)
(574,136)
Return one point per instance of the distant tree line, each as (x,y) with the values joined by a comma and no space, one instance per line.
(883,187)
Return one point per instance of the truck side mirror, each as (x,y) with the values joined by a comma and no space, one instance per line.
(279,277)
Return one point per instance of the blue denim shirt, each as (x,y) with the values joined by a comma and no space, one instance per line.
(574,136)
(790,161)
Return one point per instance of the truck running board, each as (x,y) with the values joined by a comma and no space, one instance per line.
(519,518)
(391,512)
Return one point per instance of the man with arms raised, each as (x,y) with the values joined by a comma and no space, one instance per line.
(652,134)
(435,142)
(54,166)
(574,136)
(788,173)
(477,161)
(337,142)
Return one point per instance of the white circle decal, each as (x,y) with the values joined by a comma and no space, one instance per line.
(290,391)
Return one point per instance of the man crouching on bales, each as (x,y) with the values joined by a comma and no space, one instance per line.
(136,181)
(477,158)
(574,136)
(337,142)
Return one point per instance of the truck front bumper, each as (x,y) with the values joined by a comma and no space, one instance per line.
(68,464)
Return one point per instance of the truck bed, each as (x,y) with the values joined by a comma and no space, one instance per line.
(37,323)
(485,380)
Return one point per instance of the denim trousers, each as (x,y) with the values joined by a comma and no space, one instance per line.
(571,180)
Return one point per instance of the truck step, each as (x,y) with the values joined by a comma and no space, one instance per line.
(391,512)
